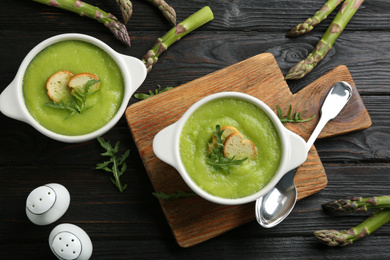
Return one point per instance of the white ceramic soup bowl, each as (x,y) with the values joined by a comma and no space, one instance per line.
(166,148)
(12,102)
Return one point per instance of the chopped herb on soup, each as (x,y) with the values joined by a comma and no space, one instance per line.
(74,57)
(253,124)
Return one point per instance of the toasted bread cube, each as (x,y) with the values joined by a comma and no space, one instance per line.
(78,81)
(235,145)
(227,130)
(57,85)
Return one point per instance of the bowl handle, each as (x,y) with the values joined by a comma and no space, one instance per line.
(10,104)
(298,151)
(137,71)
(164,145)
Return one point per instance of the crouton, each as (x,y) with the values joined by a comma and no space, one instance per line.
(227,130)
(235,145)
(57,86)
(79,81)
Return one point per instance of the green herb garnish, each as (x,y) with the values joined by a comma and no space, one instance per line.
(216,159)
(118,164)
(288,119)
(171,196)
(142,96)
(77,101)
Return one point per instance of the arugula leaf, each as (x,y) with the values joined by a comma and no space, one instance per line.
(71,108)
(77,101)
(142,96)
(170,196)
(216,158)
(118,164)
(288,119)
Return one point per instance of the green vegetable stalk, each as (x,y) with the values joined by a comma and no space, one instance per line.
(347,237)
(358,204)
(318,17)
(348,9)
(84,9)
(126,9)
(167,10)
(193,22)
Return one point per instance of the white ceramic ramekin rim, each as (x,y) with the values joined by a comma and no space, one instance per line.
(12,101)
(166,148)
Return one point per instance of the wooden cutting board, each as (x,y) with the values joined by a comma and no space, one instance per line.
(193,219)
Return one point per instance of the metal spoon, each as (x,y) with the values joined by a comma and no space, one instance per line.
(275,206)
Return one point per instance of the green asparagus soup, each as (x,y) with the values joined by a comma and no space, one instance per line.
(76,57)
(254,124)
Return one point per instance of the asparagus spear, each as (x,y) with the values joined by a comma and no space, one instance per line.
(347,237)
(126,9)
(193,22)
(358,204)
(167,10)
(318,17)
(348,9)
(84,9)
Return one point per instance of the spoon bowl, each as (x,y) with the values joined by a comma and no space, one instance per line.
(277,204)
(285,196)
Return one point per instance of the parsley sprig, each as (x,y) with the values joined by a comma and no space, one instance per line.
(216,158)
(158,90)
(77,101)
(288,119)
(118,164)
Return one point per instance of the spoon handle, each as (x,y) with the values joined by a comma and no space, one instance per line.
(323,121)
(334,102)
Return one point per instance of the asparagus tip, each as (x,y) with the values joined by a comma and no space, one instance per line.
(126,7)
(120,31)
(330,237)
(298,30)
(300,70)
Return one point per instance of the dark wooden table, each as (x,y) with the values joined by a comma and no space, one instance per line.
(131,225)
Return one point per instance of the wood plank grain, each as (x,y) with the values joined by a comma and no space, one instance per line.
(194,220)
(235,16)
(211,51)
(131,225)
